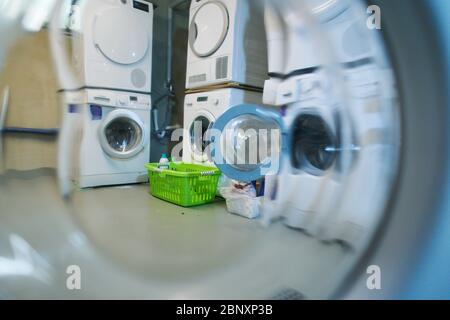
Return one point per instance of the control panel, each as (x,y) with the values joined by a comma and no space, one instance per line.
(205,101)
(140,5)
(119,99)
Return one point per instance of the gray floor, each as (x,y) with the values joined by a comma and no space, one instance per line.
(131,245)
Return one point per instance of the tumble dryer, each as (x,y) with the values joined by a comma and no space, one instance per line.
(201,111)
(115,138)
(227,43)
(112,43)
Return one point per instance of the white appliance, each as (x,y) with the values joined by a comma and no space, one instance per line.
(114,139)
(303,88)
(323,170)
(308,167)
(308,182)
(227,43)
(201,111)
(317,159)
(112,42)
(291,49)
(276,34)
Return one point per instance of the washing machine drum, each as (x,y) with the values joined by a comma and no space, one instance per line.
(198,140)
(313,144)
(208,29)
(120,36)
(122,135)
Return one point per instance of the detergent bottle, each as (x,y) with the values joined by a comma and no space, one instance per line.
(164,162)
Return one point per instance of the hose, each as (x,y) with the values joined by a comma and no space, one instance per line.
(160,131)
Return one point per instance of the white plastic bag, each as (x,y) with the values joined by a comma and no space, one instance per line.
(242,200)
(244,206)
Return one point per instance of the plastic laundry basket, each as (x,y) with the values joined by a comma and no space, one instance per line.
(184,184)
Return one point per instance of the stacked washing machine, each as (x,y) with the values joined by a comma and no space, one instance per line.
(112,58)
(337,132)
(328,146)
(226,66)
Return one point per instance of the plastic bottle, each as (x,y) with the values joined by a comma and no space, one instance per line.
(164,162)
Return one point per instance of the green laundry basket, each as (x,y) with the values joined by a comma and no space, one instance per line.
(184,184)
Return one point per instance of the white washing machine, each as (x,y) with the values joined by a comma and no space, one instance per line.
(329,151)
(112,42)
(115,138)
(308,167)
(318,165)
(227,43)
(326,164)
(201,111)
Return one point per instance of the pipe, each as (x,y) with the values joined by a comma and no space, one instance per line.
(172,8)
(169,47)
(160,133)
(46,132)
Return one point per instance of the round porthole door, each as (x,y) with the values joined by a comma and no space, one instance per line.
(122,134)
(122,43)
(208,29)
(248,142)
(313,144)
(198,139)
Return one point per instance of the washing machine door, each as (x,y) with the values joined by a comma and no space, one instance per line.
(198,130)
(248,142)
(122,134)
(121,36)
(313,143)
(208,29)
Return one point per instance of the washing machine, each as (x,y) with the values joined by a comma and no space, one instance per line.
(326,164)
(318,161)
(201,111)
(226,43)
(114,141)
(112,44)
(309,163)
(328,147)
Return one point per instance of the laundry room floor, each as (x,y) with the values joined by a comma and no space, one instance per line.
(125,238)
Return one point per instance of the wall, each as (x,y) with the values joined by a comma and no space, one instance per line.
(33,103)
(160,45)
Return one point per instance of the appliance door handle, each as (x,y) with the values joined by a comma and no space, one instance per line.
(193,32)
